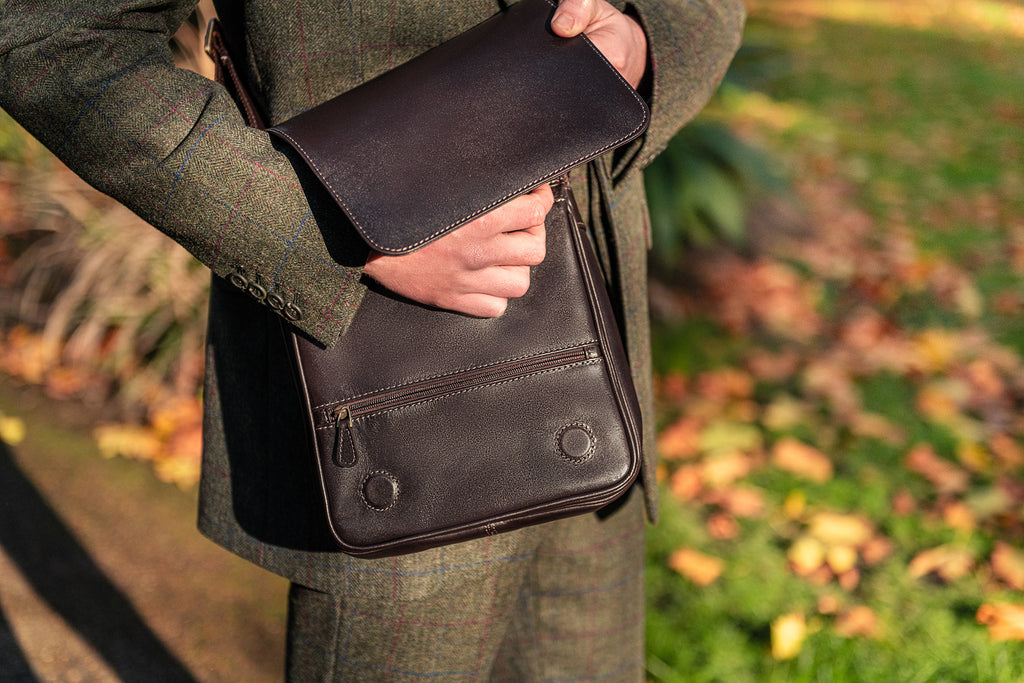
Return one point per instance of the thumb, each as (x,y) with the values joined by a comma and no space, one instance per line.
(573,16)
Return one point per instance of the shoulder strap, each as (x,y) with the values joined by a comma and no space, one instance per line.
(222,41)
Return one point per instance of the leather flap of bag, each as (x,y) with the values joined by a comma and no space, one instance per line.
(468,125)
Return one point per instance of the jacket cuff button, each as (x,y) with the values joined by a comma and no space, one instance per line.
(238,281)
(292,312)
(257,292)
(275,302)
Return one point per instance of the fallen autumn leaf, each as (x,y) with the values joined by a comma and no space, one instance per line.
(696,566)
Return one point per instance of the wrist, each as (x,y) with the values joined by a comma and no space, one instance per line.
(645,80)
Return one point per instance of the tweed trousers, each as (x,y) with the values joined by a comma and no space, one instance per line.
(562,601)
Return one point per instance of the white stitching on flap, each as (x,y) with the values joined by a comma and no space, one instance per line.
(479,212)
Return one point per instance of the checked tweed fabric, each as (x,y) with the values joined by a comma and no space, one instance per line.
(559,602)
(95,82)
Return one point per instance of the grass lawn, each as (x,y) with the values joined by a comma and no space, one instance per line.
(843,413)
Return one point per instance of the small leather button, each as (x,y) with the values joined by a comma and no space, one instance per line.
(257,292)
(275,301)
(238,281)
(380,490)
(292,312)
(576,442)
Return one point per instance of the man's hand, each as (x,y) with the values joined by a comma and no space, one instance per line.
(619,37)
(477,268)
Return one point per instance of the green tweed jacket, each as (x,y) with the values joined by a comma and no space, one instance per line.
(95,82)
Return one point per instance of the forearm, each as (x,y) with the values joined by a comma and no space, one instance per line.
(99,88)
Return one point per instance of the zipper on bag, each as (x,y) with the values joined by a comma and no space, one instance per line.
(343,414)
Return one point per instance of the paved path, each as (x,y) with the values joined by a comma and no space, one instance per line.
(103,576)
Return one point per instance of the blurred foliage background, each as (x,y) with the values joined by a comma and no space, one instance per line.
(837,289)
(97,306)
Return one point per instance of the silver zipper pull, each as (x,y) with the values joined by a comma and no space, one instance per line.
(344,444)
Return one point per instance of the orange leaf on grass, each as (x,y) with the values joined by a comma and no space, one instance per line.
(795,504)
(802,460)
(178,469)
(65,382)
(725,384)
(958,516)
(723,526)
(864,330)
(181,458)
(1008,302)
(772,367)
(741,501)
(937,349)
(948,562)
(176,414)
(127,440)
(876,549)
(782,300)
(828,604)
(696,566)
(672,387)
(723,469)
(903,503)
(944,475)
(1004,620)
(830,378)
(806,555)
(685,483)
(841,558)
(859,621)
(986,381)
(28,356)
(940,401)
(875,426)
(838,529)
(849,579)
(680,439)
(1008,565)
(820,577)
(1007,450)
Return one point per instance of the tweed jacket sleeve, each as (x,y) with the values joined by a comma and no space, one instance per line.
(96,84)
(690,44)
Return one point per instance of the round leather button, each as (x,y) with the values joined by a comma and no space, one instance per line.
(380,490)
(576,442)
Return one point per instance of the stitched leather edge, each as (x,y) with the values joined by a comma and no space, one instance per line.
(638,130)
(453,373)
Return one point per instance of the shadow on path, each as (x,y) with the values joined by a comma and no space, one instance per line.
(14,668)
(64,575)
